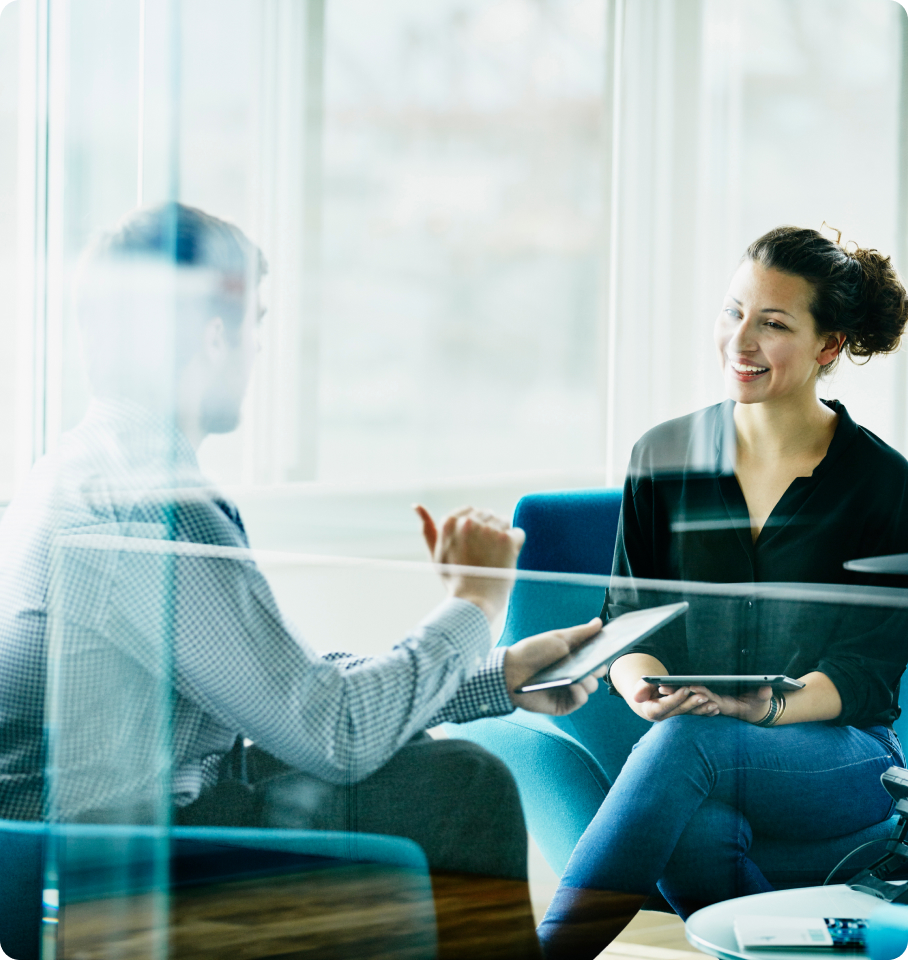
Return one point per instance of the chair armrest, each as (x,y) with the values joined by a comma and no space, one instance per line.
(553,772)
(359,847)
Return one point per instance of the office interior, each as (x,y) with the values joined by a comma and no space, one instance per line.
(498,232)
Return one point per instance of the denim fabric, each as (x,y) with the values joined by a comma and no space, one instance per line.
(681,812)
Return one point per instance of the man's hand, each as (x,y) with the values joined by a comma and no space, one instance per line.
(474,538)
(527,657)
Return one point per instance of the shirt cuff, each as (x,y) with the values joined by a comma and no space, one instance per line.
(483,695)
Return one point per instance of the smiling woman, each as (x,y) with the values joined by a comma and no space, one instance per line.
(777,347)
(772,485)
(796,303)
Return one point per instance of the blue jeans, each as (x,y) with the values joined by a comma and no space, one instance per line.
(680,815)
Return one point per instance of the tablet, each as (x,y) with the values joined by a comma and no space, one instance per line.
(612,640)
(729,683)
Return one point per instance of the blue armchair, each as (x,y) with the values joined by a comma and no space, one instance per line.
(46,867)
(564,765)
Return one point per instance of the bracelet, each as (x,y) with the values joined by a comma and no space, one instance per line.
(778,716)
(772,714)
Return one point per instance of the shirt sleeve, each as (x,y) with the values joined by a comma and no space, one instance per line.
(484,695)
(865,654)
(865,668)
(233,655)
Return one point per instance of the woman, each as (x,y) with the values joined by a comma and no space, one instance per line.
(771,485)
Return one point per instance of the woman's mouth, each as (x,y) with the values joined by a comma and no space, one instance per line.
(747,372)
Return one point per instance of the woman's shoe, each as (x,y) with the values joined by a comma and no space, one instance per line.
(580,923)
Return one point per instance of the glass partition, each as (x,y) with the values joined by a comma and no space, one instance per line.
(154,675)
(273,270)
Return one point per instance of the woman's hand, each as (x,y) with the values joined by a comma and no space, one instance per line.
(751,706)
(652,702)
(659,703)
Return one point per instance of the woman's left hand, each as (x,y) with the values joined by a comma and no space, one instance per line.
(751,706)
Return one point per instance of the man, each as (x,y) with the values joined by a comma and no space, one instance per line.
(124,567)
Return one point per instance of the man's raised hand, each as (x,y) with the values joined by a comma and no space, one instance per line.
(474,538)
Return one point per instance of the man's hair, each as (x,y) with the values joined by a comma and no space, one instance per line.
(147,288)
(184,236)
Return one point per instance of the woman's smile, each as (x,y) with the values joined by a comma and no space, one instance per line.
(766,336)
(745,371)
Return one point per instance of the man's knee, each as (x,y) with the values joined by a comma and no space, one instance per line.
(483,808)
(479,774)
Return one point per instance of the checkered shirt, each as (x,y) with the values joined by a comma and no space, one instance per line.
(138,640)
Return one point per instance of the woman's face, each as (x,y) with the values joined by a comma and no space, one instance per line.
(766,336)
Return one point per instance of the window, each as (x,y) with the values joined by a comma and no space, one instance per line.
(498,231)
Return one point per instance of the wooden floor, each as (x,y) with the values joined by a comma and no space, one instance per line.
(650,936)
(658,936)
(371,917)
(358,912)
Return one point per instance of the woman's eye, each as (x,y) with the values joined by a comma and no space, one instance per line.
(733,313)
(776,326)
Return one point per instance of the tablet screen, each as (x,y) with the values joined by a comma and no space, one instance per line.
(612,639)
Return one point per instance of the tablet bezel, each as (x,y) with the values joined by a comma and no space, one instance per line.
(745,681)
(543,680)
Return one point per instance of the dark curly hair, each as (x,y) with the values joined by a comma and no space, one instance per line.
(858,294)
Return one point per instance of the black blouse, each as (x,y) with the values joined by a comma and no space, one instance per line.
(684,518)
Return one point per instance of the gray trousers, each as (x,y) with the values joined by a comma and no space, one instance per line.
(455,799)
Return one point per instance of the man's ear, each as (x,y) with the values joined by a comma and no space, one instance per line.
(831,348)
(214,340)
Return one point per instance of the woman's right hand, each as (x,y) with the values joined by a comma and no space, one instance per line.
(659,703)
(652,702)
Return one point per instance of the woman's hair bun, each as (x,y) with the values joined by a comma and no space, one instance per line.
(886,305)
(857,293)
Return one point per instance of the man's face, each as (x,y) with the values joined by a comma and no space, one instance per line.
(231,371)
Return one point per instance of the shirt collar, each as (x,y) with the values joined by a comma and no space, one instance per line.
(147,435)
(727,437)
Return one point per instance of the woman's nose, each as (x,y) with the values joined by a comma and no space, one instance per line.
(744,338)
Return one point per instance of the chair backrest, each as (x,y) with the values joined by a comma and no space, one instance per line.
(573,531)
(901,725)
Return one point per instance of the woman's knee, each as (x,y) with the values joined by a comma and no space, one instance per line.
(685,746)
(685,734)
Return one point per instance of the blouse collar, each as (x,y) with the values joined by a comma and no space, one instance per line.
(727,438)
